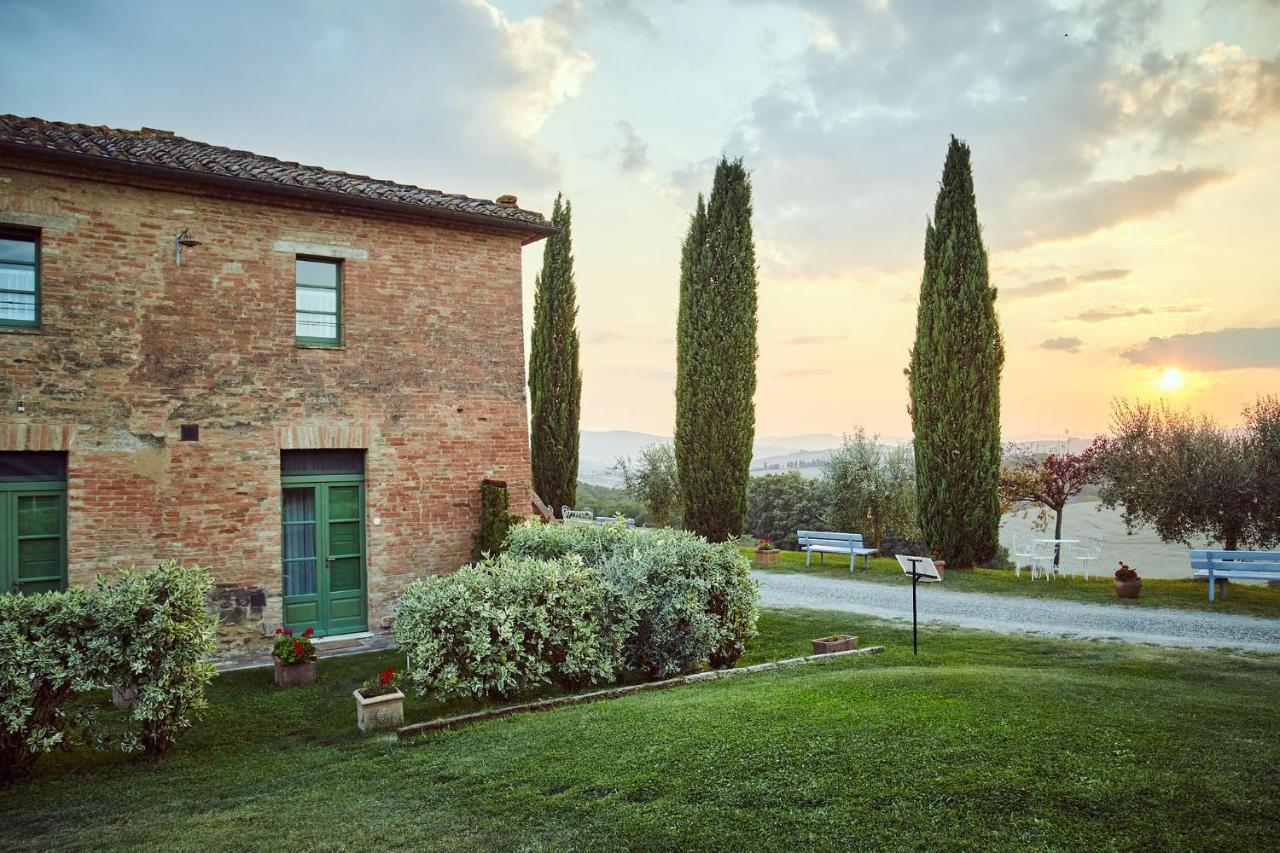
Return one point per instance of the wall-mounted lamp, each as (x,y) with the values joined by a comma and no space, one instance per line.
(184,238)
(22,407)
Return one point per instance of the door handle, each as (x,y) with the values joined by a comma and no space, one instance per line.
(330,559)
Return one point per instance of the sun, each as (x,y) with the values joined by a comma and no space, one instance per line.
(1171,380)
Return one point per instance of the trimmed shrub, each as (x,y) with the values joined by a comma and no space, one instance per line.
(504,625)
(158,634)
(692,602)
(577,604)
(148,630)
(44,663)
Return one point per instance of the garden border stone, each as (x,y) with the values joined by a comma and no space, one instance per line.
(415,729)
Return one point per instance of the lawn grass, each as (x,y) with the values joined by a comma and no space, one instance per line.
(1247,599)
(982,742)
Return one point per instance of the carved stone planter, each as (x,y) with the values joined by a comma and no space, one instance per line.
(294,674)
(379,712)
(767,558)
(1128,589)
(835,643)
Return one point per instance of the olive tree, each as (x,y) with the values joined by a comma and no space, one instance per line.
(652,480)
(871,488)
(1188,477)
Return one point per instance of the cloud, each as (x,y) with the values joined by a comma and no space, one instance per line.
(1098,205)
(1117,312)
(807,340)
(1060,284)
(847,148)
(457,109)
(634,151)
(1044,287)
(626,14)
(540,50)
(1226,349)
(1103,275)
(1071,345)
(1184,97)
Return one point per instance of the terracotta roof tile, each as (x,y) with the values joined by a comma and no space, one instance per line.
(162,149)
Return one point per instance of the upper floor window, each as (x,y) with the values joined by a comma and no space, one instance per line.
(318,318)
(19,279)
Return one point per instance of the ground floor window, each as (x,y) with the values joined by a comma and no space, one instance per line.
(33,521)
(323,540)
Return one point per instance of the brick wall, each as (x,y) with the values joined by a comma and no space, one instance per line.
(430,380)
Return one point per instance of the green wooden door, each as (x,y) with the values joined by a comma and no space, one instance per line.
(323,550)
(33,537)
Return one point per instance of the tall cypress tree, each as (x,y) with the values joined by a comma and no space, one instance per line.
(716,358)
(955,378)
(555,379)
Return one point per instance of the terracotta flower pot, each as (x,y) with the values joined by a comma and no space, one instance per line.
(294,674)
(379,712)
(941,566)
(1128,589)
(835,643)
(767,558)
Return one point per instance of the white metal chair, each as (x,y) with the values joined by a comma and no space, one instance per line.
(577,516)
(1021,550)
(1086,551)
(1041,553)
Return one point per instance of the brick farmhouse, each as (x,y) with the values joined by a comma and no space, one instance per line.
(294,376)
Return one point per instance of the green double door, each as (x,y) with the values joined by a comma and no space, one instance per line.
(324,554)
(33,536)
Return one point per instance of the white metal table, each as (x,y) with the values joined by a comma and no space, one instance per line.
(1057,550)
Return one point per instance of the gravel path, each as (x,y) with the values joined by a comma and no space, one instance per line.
(1162,626)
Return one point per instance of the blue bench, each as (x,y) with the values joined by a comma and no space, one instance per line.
(826,542)
(1246,565)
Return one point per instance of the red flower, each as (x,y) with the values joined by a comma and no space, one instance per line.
(297,648)
(387,677)
(308,632)
(279,630)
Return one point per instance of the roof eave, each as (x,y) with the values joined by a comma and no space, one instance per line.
(532,230)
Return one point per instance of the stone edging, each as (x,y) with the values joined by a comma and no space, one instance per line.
(617,692)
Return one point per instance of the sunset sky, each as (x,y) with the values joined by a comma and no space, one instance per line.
(1126,161)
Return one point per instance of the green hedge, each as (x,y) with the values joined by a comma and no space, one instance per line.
(150,631)
(577,604)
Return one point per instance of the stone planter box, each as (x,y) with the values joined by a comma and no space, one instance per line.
(294,674)
(1128,589)
(767,558)
(379,712)
(835,643)
(124,697)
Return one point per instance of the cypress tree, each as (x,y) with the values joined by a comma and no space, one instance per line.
(555,379)
(716,358)
(955,378)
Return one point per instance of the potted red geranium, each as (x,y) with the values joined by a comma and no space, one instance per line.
(295,658)
(379,702)
(940,565)
(1128,584)
(766,554)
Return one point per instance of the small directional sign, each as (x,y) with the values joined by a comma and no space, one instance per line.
(918,569)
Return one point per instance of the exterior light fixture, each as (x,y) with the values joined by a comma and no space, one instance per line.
(184,238)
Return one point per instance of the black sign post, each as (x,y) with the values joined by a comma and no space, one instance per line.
(911,566)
